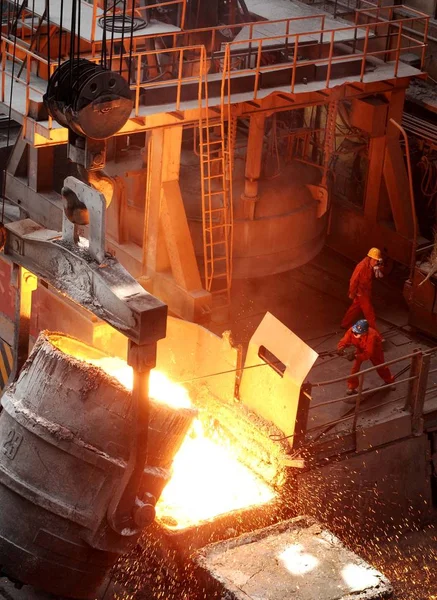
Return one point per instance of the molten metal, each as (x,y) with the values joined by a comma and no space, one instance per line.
(208,479)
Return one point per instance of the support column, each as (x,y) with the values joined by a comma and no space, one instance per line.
(163,165)
(24,283)
(169,260)
(253,164)
(395,172)
(41,169)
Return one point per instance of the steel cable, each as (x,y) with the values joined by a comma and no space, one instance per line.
(60,33)
(48,38)
(122,36)
(79,16)
(104,49)
(129,64)
(8,137)
(72,39)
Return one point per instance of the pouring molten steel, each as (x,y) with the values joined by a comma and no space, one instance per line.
(208,479)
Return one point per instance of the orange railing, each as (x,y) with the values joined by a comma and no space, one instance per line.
(21,72)
(141,11)
(253,50)
(415,371)
(26,20)
(381,38)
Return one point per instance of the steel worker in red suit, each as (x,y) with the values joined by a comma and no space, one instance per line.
(360,289)
(368,344)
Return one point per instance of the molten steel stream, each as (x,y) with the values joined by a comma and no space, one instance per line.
(208,480)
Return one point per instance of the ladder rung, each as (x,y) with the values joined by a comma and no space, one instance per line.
(211,142)
(215,243)
(212,260)
(216,193)
(217,226)
(210,160)
(222,291)
(214,210)
(213,177)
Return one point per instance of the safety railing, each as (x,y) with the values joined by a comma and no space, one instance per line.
(360,34)
(24,19)
(142,12)
(311,46)
(184,66)
(418,369)
(19,71)
(215,38)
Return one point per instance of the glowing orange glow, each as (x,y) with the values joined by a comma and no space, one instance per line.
(208,480)
(161,388)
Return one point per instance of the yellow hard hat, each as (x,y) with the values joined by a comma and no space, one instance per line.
(375,253)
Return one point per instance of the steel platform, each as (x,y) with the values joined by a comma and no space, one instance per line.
(86,18)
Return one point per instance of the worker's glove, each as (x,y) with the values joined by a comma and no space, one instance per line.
(352,296)
(340,351)
(377,269)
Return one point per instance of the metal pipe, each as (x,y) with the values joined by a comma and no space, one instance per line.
(413,206)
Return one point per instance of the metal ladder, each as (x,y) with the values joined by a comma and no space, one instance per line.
(216,139)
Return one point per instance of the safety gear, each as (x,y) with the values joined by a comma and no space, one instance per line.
(360,327)
(378,272)
(369,347)
(340,352)
(360,306)
(375,253)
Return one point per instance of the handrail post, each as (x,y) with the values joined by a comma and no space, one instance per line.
(287,33)
(331,52)
(94,20)
(363,62)
(354,45)
(138,86)
(417,390)
(322,27)
(257,70)
(183,14)
(425,40)
(293,74)
(180,75)
(398,49)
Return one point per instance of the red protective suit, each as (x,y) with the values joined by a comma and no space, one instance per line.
(360,290)
(369,347)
